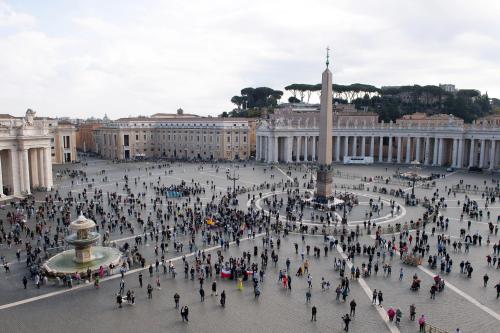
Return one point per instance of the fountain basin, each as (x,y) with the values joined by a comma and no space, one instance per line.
(64,263)
(92,237)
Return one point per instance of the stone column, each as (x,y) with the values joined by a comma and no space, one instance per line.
(275,149)
(355,146)
(471,155)
(399,150)
(313,148)
(34,167)
(26,171)
(454,156)
(47,163)
(460,153)
(16,176)
(481,154)
(346,146)
(257,153)
(427,150)
(492,154)
(408,150)
(289,148)
(389,153)
(1,178)
(435,152)
(41,170)
(441,151)
(417,149)
(372,146)
(337,149)
(363,144)
(306,143)
(381,149)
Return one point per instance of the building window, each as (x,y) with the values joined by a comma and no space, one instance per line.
(66,141)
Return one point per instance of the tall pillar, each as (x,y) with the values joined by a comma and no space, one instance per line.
(381,149)
(313,148)
(26,171)
(337,149)
(47,163)
(471,155)
(399,150)
(372,146)
(258,150)
(427,150)
(1,178)
(306,143)
(346,146)
(492,154)
(354,146)
(408,150)
(435,152)
(363,144)
(16,176)
(481,154)
(275,149)
(389,157)
(441,151)
(455,153)
(34,167)
(417,149)
(460,153)
(41,170)
(289,147)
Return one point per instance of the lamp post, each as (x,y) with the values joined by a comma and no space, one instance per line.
(344,217)
(234,178)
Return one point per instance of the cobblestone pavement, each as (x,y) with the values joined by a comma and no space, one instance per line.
(85,309)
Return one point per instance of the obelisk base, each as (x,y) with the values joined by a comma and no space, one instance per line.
(324,184)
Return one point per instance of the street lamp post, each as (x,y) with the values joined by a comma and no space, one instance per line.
(234,178)
(344,217)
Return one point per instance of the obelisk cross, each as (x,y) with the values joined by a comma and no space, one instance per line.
(327,56)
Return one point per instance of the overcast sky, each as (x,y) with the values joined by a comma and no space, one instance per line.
(124,57)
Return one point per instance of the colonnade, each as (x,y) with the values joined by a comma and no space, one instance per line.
(22,170)
(436,150)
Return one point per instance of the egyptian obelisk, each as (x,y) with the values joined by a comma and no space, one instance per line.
(324,174)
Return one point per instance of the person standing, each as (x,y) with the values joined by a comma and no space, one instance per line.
(25,281)
(140,280)
(353,308)
(380,298)
(313,313)
(308,296)
(497,286)
(413,311)
(176,300)
(223,298)
(185,313)
(214,288)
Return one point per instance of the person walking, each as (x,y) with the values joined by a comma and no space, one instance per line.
(380,298)
(346,320)
(140,280)
(202,294)
(185,313)
(485,280)
(308,296)
(314,311)
(176,300)
(25,281)
(497,286)
(150,291)
(353,308)
(421,324)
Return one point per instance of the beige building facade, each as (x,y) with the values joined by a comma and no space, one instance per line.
(25,154)
(175,136)
(440,140)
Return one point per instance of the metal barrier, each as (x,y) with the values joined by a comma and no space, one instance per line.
(433,329)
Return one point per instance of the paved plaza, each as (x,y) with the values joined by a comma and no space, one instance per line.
(464,303)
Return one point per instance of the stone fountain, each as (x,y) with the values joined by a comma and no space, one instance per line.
(85,255)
